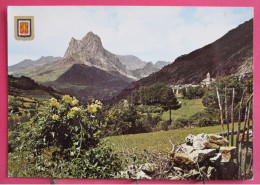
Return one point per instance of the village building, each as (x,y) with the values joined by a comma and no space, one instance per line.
(204,83)
(207,81)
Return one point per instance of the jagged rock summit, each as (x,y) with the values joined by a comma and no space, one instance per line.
(89,43)
(90,51)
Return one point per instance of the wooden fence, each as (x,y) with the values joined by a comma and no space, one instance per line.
(243,142)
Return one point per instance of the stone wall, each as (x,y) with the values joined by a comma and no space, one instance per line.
(204,156)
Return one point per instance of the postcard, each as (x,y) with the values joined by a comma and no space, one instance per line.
(130,92)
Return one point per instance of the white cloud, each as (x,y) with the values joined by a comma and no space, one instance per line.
(151,33)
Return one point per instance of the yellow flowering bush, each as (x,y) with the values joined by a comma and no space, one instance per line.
(67,99)
(55,117)
(70,100)
(92,108)
(74,101)
(54,102)
(74,111)
(72,136)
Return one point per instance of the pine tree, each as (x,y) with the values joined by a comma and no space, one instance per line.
(169,101)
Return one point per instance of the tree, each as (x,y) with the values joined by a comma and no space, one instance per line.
(169,101)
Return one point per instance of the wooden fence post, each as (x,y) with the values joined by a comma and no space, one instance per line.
(247,137)
(238,132)
(221,110)
(226,113)
(232,117)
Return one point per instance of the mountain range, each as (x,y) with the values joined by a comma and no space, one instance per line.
(232,54)
(84,60)
(87,70)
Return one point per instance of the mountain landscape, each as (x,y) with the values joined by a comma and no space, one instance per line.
(95,114)
(232,54)
(87,70)
(24,67)
(86,59)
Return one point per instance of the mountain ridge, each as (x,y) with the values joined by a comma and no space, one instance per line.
(223,57)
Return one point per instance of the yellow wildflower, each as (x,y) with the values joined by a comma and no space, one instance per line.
(74,102)
(159,153)
(73,111)
(54,102)
(92,108)
(76,109)
(55,117)
(67,99)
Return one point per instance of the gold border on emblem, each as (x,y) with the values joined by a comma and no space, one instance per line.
(31,36)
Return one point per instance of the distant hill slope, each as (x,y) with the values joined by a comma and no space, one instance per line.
(148,69)
(161,64)
(23,65)
(231,54)
(131,62)
(26,87)
(88,82)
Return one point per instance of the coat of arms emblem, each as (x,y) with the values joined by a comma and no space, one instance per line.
(24,27)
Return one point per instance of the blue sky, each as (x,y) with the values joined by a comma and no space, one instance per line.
(150,33)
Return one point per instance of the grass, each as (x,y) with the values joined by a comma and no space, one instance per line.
(157,141)
(188,108)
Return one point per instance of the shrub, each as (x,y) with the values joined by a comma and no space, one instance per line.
(63,140)
(203,119)
(162,125)
(181,123)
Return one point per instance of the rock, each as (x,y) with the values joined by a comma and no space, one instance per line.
(228,153)
(212,173)
(227,171)
(187,148)
(217,139)
(148,168)
(189,139)
(200,140)
(142,175)
(228,149)
(201,155)
(226,158)
(192,175)
(178,169)
(183,161)
(216,159)
(210,145)
(171,177)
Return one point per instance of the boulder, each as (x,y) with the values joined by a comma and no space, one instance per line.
(187,148)
(216,159)
(183,161)
(177,169)
(189,139)
(201,155)
(210,145)
(228,153)
(192,175)
(148,168)
(200,140)
(227,171)
(217,139)
(212,173)
(142,175)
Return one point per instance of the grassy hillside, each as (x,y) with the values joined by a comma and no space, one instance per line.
(188,108)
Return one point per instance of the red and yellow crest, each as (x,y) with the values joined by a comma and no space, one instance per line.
(24,29)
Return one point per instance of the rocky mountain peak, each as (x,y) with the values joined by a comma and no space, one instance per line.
(90,43)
